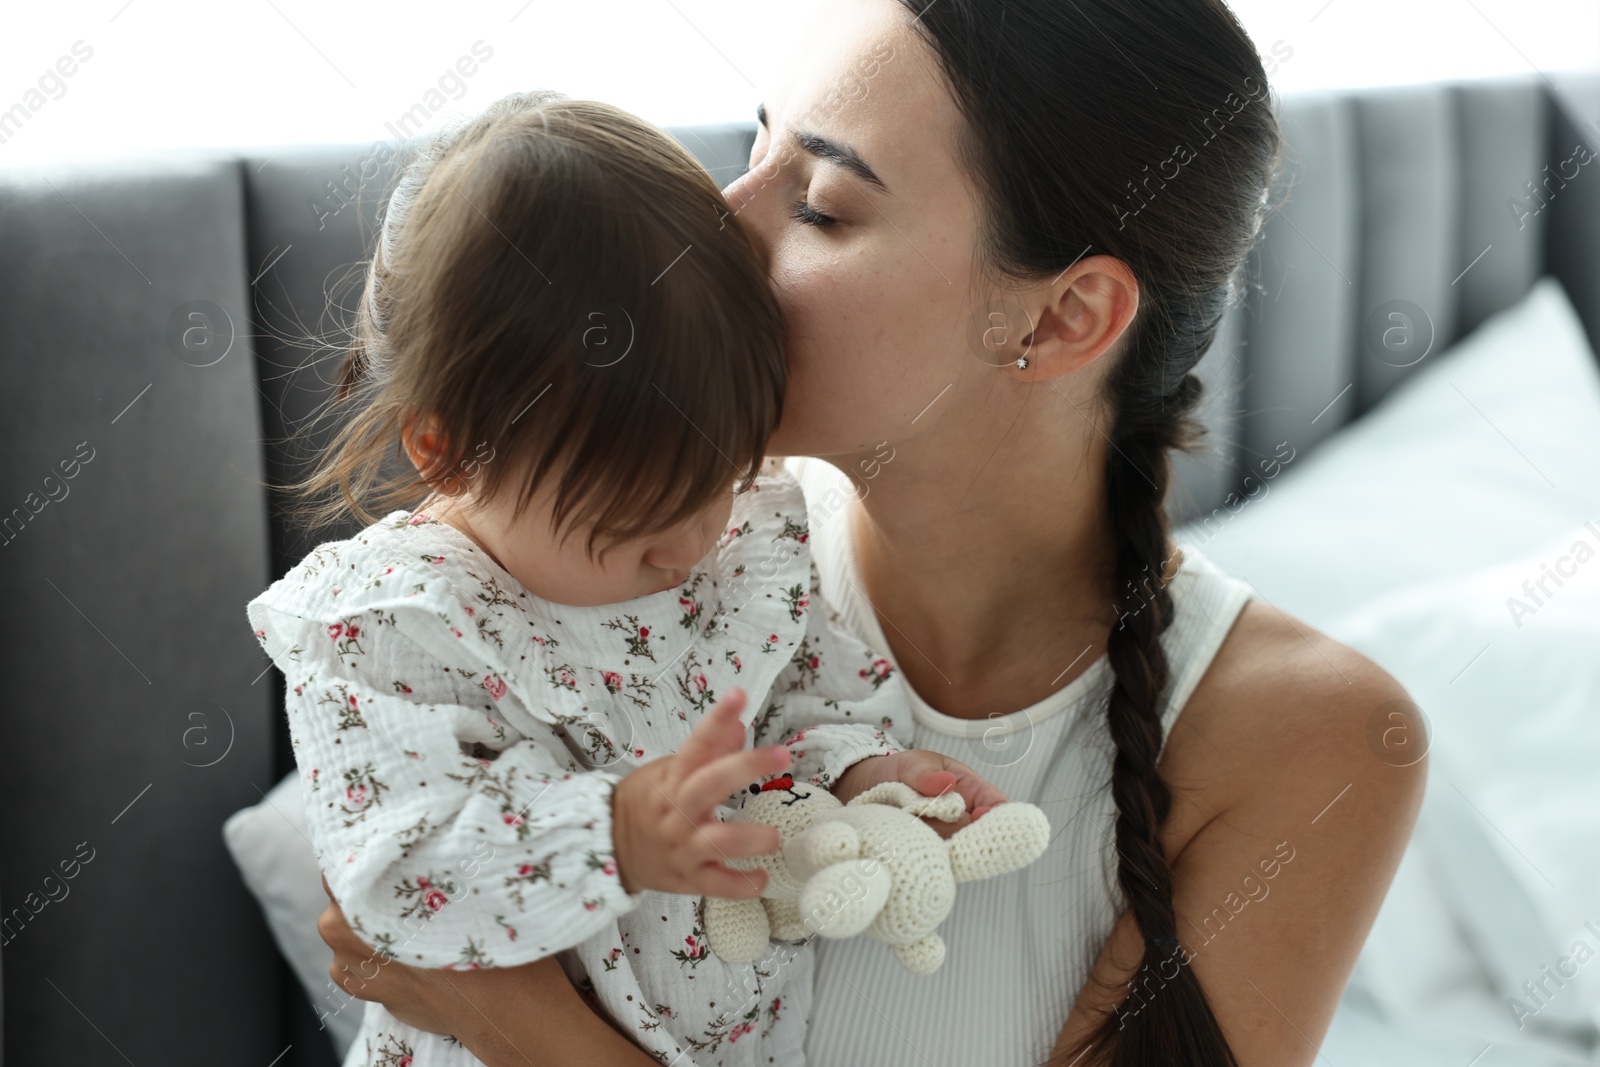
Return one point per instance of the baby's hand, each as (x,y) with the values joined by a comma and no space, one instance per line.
(929,773)
(664,821)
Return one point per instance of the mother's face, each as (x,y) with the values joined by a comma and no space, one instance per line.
(855,197)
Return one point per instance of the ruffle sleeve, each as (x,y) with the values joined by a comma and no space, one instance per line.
(419,793)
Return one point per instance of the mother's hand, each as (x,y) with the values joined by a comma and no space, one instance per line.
(929,773)
(505,1016)
(413,995)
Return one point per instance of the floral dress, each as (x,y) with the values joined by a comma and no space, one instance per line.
(458,741)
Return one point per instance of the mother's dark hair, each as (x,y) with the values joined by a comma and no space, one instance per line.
(1144,131)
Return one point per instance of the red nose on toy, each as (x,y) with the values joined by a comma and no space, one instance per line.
(785,782)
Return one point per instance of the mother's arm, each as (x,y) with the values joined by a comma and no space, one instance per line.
(505,1016)
(1271,758)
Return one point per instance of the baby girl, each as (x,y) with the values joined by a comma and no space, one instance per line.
(520,705)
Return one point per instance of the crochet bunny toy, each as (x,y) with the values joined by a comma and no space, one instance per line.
(870,866)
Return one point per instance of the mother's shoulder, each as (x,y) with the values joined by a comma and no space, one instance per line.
(1283,708)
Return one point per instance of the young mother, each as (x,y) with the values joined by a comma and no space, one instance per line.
(1003,235)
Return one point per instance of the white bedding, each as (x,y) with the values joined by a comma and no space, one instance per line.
(1425,518)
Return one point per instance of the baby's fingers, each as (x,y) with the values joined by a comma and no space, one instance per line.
(714,783)
(718,732)
(715,880)
(728,841)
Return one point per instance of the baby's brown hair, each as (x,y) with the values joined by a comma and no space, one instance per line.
(562,282)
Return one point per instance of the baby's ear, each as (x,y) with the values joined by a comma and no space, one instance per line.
(424,445)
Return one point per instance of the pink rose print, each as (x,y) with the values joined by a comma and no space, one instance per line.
(525,870)
(814,661)
(696,950)
(455,631)
(512,818)
(700,683)
(335,631)
(644,631)
(639,753)
(352,630)
(260,634)
(613,681)
(435,900)
(739,1031)
(358,796)
(418,519)
(470,612)
(495,685)
(878,672)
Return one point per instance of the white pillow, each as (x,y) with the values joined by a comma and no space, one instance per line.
(1476,458)
(1512,816)
(269,843)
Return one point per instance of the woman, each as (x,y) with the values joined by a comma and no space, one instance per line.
(1003,235)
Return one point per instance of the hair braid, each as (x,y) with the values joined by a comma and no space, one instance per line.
(1152,419)
(1073,147)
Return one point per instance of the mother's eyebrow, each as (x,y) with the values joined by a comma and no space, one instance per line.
(826,148)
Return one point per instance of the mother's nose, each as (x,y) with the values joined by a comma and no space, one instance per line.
(746,205)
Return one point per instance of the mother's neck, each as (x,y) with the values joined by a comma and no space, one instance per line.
(985,550)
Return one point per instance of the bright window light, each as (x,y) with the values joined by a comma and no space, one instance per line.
(131,77)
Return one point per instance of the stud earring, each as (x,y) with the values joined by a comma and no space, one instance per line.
(1022,362)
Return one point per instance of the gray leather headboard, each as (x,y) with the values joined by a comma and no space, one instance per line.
(1410,199)
(139,715)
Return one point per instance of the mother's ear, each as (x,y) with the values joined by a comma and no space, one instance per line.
(1078,317)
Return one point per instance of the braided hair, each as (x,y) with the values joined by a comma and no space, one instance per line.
(1071,143)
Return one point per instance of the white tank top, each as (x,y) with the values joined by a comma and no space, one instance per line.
(1020,946)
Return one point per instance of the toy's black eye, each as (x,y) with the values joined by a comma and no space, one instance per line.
(755,787)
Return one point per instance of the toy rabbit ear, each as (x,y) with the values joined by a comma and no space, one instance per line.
(1008,837)
(895,794)
(946,807)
